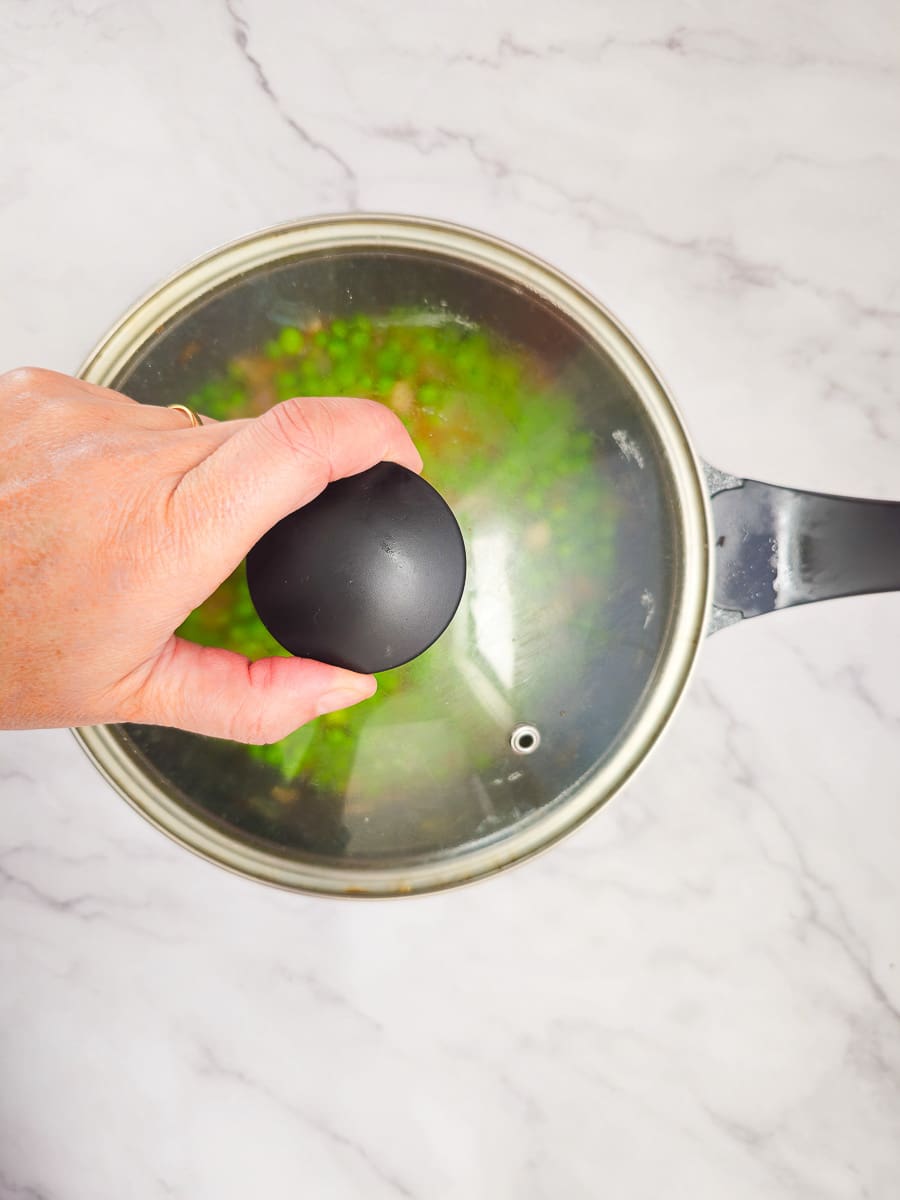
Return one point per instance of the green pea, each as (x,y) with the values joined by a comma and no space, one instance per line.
(345,377)
(388,359)
(290,340)
(287,384)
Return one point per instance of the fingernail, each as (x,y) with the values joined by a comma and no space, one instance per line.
(342,698)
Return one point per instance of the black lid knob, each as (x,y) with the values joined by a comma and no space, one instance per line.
(366,576)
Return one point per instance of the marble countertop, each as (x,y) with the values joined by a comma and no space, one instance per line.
(698,994)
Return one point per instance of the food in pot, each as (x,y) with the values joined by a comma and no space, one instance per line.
(506,446)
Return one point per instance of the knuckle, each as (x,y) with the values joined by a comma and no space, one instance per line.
(251,722)
(24,382)
(302,426)
(47,400)
(135,698)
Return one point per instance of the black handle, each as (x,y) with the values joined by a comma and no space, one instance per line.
(776,547)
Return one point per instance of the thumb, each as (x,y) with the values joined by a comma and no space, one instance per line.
(221,694)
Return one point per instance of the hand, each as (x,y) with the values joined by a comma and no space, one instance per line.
(117,519)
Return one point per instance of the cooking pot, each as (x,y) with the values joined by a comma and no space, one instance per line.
(601,552)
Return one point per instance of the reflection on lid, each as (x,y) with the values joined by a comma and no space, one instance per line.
(492,604)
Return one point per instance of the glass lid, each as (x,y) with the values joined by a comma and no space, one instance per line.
(578,499)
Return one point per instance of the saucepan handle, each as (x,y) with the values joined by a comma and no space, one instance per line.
(777,547)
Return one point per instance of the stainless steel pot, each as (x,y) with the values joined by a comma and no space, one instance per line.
(568,656)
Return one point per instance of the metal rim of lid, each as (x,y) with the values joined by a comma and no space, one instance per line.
(687,621)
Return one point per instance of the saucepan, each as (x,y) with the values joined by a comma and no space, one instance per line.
(601,552)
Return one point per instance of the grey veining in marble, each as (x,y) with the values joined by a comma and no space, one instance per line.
(697,994)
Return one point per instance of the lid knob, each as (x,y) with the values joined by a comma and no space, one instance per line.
(366,576)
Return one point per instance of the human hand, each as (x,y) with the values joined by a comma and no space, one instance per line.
(117,519)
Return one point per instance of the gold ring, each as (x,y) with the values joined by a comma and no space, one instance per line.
(188,412)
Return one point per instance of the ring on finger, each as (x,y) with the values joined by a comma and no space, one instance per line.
(188,412)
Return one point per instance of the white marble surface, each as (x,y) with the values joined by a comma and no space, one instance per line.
(698,995)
